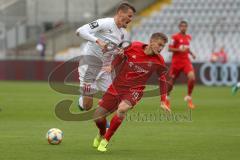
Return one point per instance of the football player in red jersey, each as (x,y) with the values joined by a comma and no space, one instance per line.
(180,47)
(139,62)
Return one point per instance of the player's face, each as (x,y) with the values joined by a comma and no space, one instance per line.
(157,45)
(183,27)
(125,17)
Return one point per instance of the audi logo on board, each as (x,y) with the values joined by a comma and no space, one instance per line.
(219,74)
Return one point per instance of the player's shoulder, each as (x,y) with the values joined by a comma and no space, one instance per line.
(189,36)
(107,20)
(175,35)
(161,59)
(137,44)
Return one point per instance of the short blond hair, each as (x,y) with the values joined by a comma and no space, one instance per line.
(159,35)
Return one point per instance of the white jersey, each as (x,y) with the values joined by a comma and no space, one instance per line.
(106,30)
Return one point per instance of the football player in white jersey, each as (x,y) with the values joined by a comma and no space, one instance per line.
(96,75)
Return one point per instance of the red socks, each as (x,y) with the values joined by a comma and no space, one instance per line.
(115,123)
(190,86)
(101,124)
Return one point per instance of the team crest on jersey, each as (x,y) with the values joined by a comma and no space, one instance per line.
(130,64)
(93,24)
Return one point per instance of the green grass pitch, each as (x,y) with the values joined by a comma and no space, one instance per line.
(27,112)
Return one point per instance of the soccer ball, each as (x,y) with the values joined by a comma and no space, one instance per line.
(54,136)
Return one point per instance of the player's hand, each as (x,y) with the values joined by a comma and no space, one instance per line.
(164,106)
(120,51)
(194,56)
(107,69)
(183,49)
(102,45)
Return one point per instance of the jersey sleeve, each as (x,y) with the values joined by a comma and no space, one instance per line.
(190,37)
(117,60)
(87,31)
(173,42)
(162,80)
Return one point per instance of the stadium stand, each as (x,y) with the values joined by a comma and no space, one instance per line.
(212,24)
(22,22)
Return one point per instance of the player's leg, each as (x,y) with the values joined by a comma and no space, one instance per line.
(189,71)
(104,80)
(116,121)
(87,87)
(101,121)
(85,103)
(235,88)
(175,70)
(129,100)
(107,105)
(87,90)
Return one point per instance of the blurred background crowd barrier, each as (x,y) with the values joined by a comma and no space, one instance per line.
(36,35)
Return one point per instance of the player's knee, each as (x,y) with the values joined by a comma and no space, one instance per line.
(87,103)
(100,119)
(191,76)
(87,106)
(123,109)
(100,114)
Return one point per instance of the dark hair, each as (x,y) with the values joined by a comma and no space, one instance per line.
(183,22)
(159,35)
(124,6)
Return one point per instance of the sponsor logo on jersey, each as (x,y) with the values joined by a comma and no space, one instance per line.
(136,68)
(93,24)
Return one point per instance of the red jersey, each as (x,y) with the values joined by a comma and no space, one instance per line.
(137,68)
(179,41)
(220,56)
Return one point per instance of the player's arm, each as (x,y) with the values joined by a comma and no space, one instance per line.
(120,58)
(87,31)
(190,51)
(163,92)
(192,54)
(117,60)
(163,88)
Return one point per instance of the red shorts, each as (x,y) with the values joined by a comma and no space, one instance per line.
(111,101)
(176,69)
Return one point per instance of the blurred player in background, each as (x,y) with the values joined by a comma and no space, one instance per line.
(235,88)
(96,76)
(140,61)
(180,47)
(220,56)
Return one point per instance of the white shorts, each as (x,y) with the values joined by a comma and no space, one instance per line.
(92,79)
